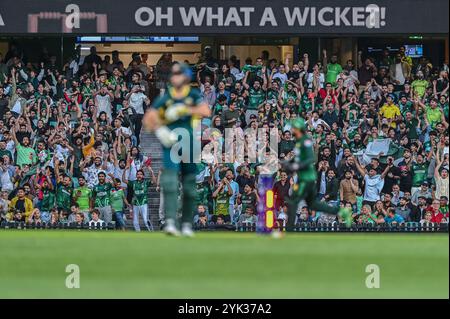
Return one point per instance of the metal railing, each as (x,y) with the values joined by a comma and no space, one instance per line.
(308,227)
(59,225)
(304,227)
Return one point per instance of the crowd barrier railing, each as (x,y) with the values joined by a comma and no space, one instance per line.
(308,227)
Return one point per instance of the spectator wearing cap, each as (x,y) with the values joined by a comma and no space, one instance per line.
(390,111)
(373,183)
(424,191)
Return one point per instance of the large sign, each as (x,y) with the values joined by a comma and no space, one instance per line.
(167,17)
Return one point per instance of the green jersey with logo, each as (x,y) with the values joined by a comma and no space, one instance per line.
(248,200)
(419,86)
(117,196)
(63,196)
(101,193)
(84,197)
(333,70)
(420,172)
(140,191)
(256,97)
(48,200)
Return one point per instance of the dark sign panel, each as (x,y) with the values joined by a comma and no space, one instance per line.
(224,17)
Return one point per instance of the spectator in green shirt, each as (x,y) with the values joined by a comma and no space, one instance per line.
(419,85)
(118,199)
(25,153)
(82,196)
(101,197)
(48,200)
(332,69)
(140,197)
(434,115)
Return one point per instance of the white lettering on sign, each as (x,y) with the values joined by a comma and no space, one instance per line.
(268,17)
(371,16)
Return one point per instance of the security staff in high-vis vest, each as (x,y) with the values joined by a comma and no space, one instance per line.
(305,188)
(172,117)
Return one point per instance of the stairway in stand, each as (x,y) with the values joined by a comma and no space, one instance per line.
(151,147)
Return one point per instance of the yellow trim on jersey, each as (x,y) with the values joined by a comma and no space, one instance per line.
(185,90)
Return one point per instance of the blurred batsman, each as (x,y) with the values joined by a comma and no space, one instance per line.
(172,117)
(305,188)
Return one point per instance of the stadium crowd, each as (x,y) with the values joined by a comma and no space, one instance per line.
(70,136)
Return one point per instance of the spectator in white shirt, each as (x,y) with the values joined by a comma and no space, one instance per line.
(136,99)
(373,183)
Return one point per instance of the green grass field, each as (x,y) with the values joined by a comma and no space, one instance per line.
(222,265)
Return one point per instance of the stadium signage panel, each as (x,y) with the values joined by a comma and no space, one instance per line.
(219,17)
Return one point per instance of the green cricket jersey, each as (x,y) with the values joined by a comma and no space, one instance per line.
(433,115)
(407,107)
(117,196)
(420,172)
(333,70)
(305,103)
(272,94)
(419,86)
(203,192)
(84,198)
(63,196)
(444,108)
(256,97)
(248,200)
(140,191)
(304,154)
(101,192)
(412,128)
(48,200)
